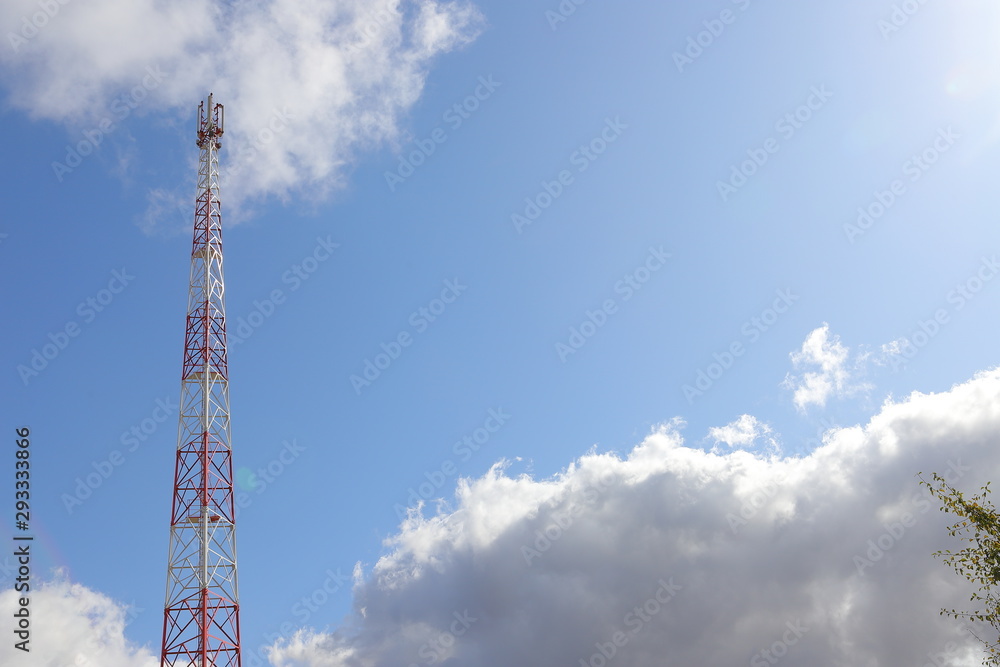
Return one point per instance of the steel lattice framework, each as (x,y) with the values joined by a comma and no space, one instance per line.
(201,625)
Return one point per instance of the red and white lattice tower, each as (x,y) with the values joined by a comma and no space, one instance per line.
(201,622)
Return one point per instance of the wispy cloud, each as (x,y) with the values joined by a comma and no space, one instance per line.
(306,83)
(836,375)
(742,432)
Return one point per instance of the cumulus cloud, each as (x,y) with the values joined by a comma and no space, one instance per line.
(73,625)
(668,554)
(676,555)
(743,432)
(836,374)
(306,83)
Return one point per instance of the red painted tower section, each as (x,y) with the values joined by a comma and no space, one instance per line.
(201,623)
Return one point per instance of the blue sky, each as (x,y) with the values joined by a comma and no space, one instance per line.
(619,127)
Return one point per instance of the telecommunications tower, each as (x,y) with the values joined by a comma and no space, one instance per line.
(201,618)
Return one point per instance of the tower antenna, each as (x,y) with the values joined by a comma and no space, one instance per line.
(201,617)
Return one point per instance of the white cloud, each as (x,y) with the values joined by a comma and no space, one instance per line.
(894,347)
(72,625)
(834,377)
(741,433)
(669,555)
(334,77)
(835,544)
